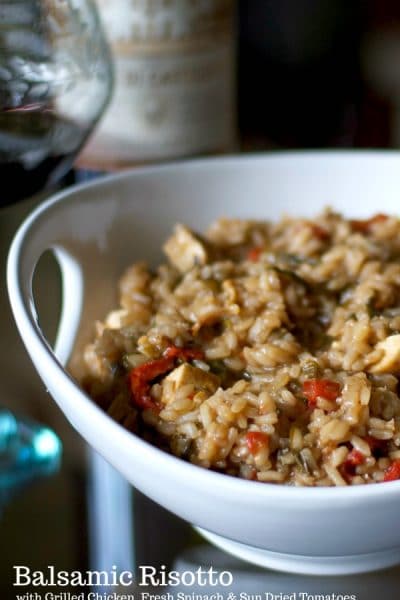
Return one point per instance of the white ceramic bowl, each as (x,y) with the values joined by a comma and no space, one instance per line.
(96,230)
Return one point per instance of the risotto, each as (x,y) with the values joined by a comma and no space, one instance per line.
(267,351)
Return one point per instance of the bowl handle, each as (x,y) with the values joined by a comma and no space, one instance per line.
(71,305)
(25,252)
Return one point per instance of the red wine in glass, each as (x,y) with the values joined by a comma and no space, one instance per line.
(37,148)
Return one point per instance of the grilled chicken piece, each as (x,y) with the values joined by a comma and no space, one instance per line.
(390,359)
(187,374)
(116,318)
(185,249)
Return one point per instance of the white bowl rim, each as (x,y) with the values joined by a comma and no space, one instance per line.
(230,484)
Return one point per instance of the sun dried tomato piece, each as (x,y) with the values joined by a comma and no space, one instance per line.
(141,377)
(348,468)
(319,232)
(184,353)
(325,388)
(355,458)
(393,471)
(256,441)
(254,253)
(364,226)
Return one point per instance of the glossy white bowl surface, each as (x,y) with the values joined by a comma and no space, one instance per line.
(98,229)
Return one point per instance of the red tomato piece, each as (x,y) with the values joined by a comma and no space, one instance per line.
(184,353)
(256,441)
(255,253)
(393,471)
(140,378)
(348,468)
(355,458)
(326,388)
(364,226)
(319,232)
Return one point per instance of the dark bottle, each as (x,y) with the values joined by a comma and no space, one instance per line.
(379,98)
(298,73)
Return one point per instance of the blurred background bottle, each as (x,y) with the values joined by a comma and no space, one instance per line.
(319,74)
(379,111)
(175,83)
(299,73)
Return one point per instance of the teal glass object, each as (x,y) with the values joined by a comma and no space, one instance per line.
(27,451)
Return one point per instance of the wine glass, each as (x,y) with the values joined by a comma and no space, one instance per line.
(55,81)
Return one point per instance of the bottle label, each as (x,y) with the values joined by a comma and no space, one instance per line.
(174,91)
